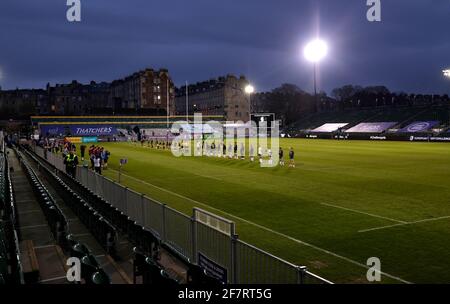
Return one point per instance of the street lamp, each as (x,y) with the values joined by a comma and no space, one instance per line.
(249,89)
(446,73)
(314,52)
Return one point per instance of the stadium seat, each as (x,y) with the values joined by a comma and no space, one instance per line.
(154,274)
(70,241)
(79,250)
(138,263)
(89,266)
(101,278)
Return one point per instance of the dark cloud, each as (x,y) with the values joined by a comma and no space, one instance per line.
(199,39)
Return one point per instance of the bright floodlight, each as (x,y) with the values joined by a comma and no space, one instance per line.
(446,73)
(249,89)
(316,50)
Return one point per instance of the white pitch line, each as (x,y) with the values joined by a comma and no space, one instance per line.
(365,213)
(216,177)
(407,223)
(269,230)
(210,177)
(382,227)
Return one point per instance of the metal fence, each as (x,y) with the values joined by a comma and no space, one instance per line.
(55,159)
(257,266)
(195,241)
(178,232)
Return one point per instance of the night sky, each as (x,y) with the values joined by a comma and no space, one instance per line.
(201,39)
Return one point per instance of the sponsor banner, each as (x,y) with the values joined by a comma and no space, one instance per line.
(78,130)
(212,268)
(94,130)
(87,140)
(430,138)
(341,137)
(330,127)
(371,127)
(82,140)
(74,140)
(378,137)
(419,126)
(54,130)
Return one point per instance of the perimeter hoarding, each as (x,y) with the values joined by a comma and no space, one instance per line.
(82,140)
(78,130)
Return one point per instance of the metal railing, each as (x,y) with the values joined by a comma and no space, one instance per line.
(239,261)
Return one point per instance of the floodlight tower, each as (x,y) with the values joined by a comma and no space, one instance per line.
(314,52)
(446,73)
(249,89)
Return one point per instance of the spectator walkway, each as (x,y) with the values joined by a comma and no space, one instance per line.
(43,260)
(120,269)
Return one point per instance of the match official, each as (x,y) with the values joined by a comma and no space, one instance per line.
(71,162)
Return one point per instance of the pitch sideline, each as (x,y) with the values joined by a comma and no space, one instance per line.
(365,213)
(266,229)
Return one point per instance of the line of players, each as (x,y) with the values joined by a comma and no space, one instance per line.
(232,151)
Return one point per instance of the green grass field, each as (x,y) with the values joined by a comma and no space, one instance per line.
(345,202)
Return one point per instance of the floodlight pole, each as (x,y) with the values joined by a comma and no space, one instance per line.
(315,79)
(249,107)
(167,92)
(315,87)
(187,103)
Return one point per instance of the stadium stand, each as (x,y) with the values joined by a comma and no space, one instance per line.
(103,231)
(60,228)
(56,220)
(400,114)
(403,115)
(434,113)
(148,248)
(10,263)
(92,270)
(313,121)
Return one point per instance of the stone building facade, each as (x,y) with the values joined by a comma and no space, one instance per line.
(147,92)
(77,99)
(224,96)
(21,103)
